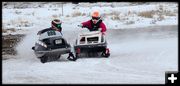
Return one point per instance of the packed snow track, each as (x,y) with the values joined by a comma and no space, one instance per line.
(138,56)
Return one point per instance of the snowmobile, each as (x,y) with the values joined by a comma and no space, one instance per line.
(91,44)
(51,45)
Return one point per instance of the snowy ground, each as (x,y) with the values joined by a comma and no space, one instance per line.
(138,55)
(139,58)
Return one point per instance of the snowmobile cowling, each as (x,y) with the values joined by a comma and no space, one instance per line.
(91,44)
(51,45)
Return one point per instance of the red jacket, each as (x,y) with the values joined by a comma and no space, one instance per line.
(90,25)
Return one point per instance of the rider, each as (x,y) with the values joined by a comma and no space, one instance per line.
(95,23)
(55,25)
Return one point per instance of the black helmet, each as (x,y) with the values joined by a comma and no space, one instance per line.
(56,23)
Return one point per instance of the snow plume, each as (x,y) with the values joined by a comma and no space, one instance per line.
(24,48)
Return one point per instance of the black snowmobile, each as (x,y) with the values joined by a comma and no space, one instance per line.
(51,45)
(91,44)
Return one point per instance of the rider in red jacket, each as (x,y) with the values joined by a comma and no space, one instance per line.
(95,23)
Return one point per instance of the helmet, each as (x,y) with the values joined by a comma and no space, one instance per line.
(56,24)
(95,16)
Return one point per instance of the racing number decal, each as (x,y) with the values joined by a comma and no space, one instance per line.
(50,33)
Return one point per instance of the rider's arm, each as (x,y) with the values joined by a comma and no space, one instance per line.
(103,27)
(42,31)
(86,24)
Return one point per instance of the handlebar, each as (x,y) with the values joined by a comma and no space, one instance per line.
(99,29)
(82,26)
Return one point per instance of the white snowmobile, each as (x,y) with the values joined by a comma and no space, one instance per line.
(51,45)
(91,44)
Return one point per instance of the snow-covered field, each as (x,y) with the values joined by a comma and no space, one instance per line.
(115,15)
(139,54)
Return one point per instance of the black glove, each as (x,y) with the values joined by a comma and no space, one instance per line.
(39,32)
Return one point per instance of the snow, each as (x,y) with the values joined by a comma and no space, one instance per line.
(135,59)
(34,17)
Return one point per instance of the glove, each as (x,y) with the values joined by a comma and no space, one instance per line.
(103,33)
(39,32)
(80,25)
(99,29)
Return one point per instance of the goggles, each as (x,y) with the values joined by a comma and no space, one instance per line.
(58,25)
(95,18)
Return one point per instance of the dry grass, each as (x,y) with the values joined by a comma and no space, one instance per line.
(67,16)
(18,12)
(161,17)
(163,11)
(12,30)
(83,14)
(161,7)
(25,23)
(147,14)
(76,13)
(115,17)
(54,16)
(129,22)
(113,13)
(131,13)
(9,29)
(20,22)
(4,30)
(168,13)
(55,9)
(9,43)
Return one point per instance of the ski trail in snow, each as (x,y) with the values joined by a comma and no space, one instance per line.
(24,48)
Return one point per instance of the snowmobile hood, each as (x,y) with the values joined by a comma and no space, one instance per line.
(50,35)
